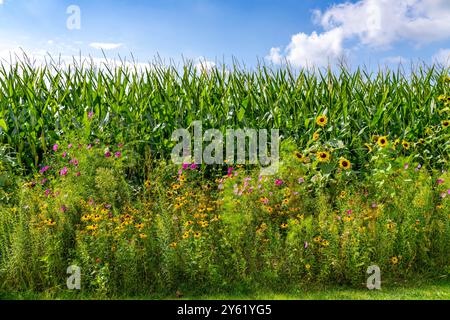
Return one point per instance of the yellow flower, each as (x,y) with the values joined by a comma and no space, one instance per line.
(178,205)
(325,243)
(188,223)
(445,123)
(142,236)
(285,201)
(317,239)
(390,226)
(197,235)
(298,155)
(85,218)
(382,141)
(50,222)
(344,164)
(176,186)
(322,120)
(323,156)
(307,266)
(316,136)
(147,184)
(173,245)
(92,227)
(394,260)
(343,194)
(441,97)
(139,226)
(396,143)
(369,148)
(405,145)
(284,226)
(186,235)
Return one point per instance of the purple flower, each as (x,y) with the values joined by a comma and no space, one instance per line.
(306,245)
(185,166)
(90,115)
(180,172)
(440,181)
(406,166)
(44,181)
(230,171)
(349,211)
(63,171)
(69,146)
(278,182)
(301,180)
(107,154)
(118,154)
(120,145)
(47,192)
(55,147)
(64,154)
(44,169)
(193,166)
(418,167)
(448,191)
(63,208)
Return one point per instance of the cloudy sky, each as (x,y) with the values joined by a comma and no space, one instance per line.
(304,33)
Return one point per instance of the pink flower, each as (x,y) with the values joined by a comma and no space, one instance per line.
(64,154)
(47,192)
(69,146)
(44,169)
(120,145)
(278,182)
(180,172)
(90,115)
(78,174)
(107,154)
(301,180)
(448,191)
(230,171)
(349,211)
(44,181)
(74,162)
(306,245)
(63,208)
(193,166)
(63,171)
(55,147)
(406,166)
(89,146)
(118,154)
(185,166)
(440,181)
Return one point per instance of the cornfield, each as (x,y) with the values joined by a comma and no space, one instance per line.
(40,104)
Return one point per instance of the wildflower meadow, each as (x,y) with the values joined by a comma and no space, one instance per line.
(87,181)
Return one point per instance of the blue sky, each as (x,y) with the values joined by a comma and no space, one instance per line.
(303,33)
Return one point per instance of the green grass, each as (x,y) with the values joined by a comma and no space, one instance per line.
(435,290)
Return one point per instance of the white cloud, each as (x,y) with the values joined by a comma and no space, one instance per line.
(204,65)
(442,57)
(1,2)
(373,23)
(105,45)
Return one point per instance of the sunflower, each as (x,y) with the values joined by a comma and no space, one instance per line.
(396,143)
(405,145)
(322,120)
(139,226)
(316,136)
(142,236)
(317,239)
(284,226)
(323,156)
(307,266)
(382,141)
(445,123)
(176,186)
(394,260)
(188,223)
(298,155)
(197,235)
(421,141)
(325,243)
(344,164)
